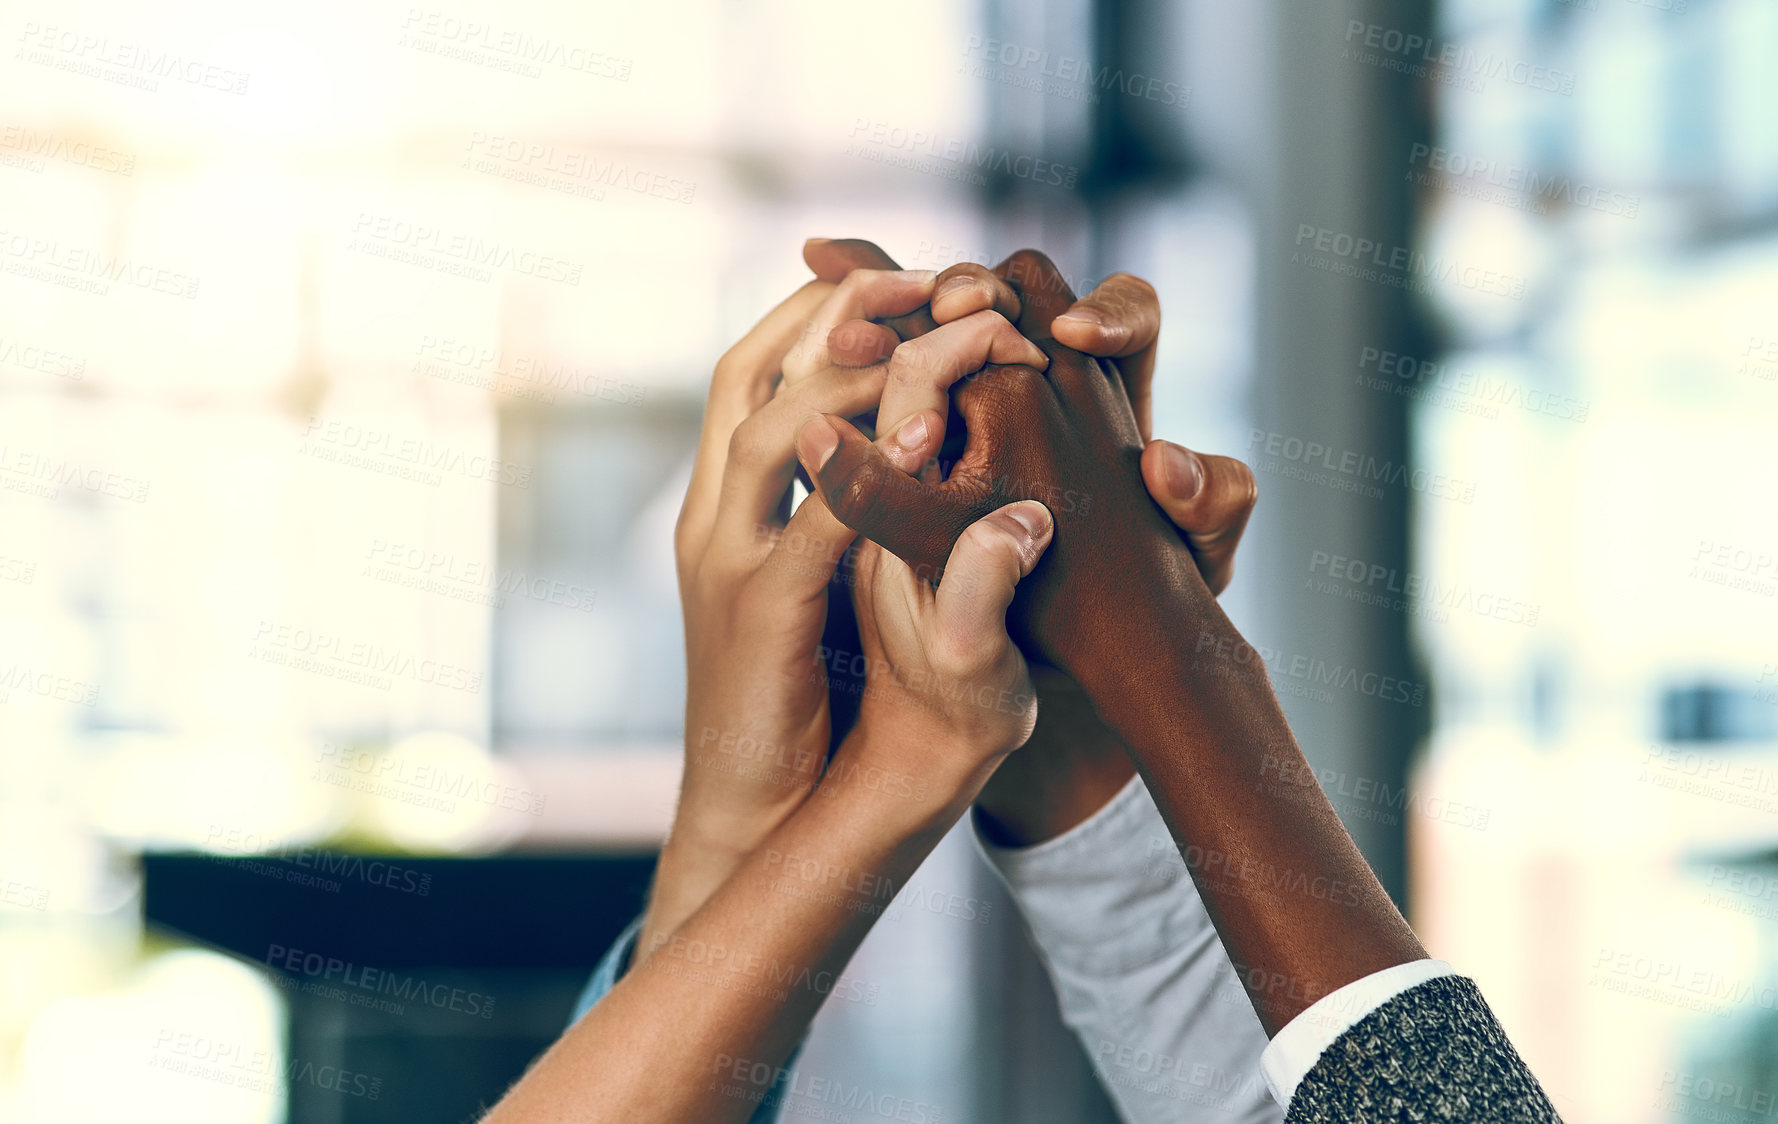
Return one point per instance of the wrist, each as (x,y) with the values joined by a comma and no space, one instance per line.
(1165,668)
(710,840)
(1044,791)
(906,777)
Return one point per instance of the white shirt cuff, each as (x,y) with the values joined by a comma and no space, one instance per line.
(1296,1048)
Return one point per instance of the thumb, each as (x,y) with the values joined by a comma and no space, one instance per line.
(1208,498)
(990,558)
(832,258)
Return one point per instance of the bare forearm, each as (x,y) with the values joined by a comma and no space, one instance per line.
(739,981)
(1298,908)
(696,860)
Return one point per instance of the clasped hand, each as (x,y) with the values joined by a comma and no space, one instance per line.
(869,342)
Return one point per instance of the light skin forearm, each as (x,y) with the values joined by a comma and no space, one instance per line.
(738,982)
(706,847)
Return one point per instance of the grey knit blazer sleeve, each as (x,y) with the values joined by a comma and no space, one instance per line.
(1433,1053)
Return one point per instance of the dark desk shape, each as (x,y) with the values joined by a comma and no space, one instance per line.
(442,978)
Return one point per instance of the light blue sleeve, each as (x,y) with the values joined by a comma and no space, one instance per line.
(611,968)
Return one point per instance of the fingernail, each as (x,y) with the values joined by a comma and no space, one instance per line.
(1185,476)
(816,241)
(913,433)
(1032,516)
(1084,314)
(817,440)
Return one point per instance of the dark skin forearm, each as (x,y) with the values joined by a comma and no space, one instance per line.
(1297,907)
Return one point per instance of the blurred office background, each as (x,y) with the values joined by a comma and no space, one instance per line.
(351,358)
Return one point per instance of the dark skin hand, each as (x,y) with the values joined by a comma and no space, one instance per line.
(1073,764)
(1118,604)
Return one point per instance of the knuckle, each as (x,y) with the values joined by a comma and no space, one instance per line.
(998,546)
(854,500)
(730,367)
(1019,380)
(747,444)
(715,579)
(860,279)
(909,361)
(991,322)
(951,653)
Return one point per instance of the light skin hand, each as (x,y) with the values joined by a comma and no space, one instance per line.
(754,588)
